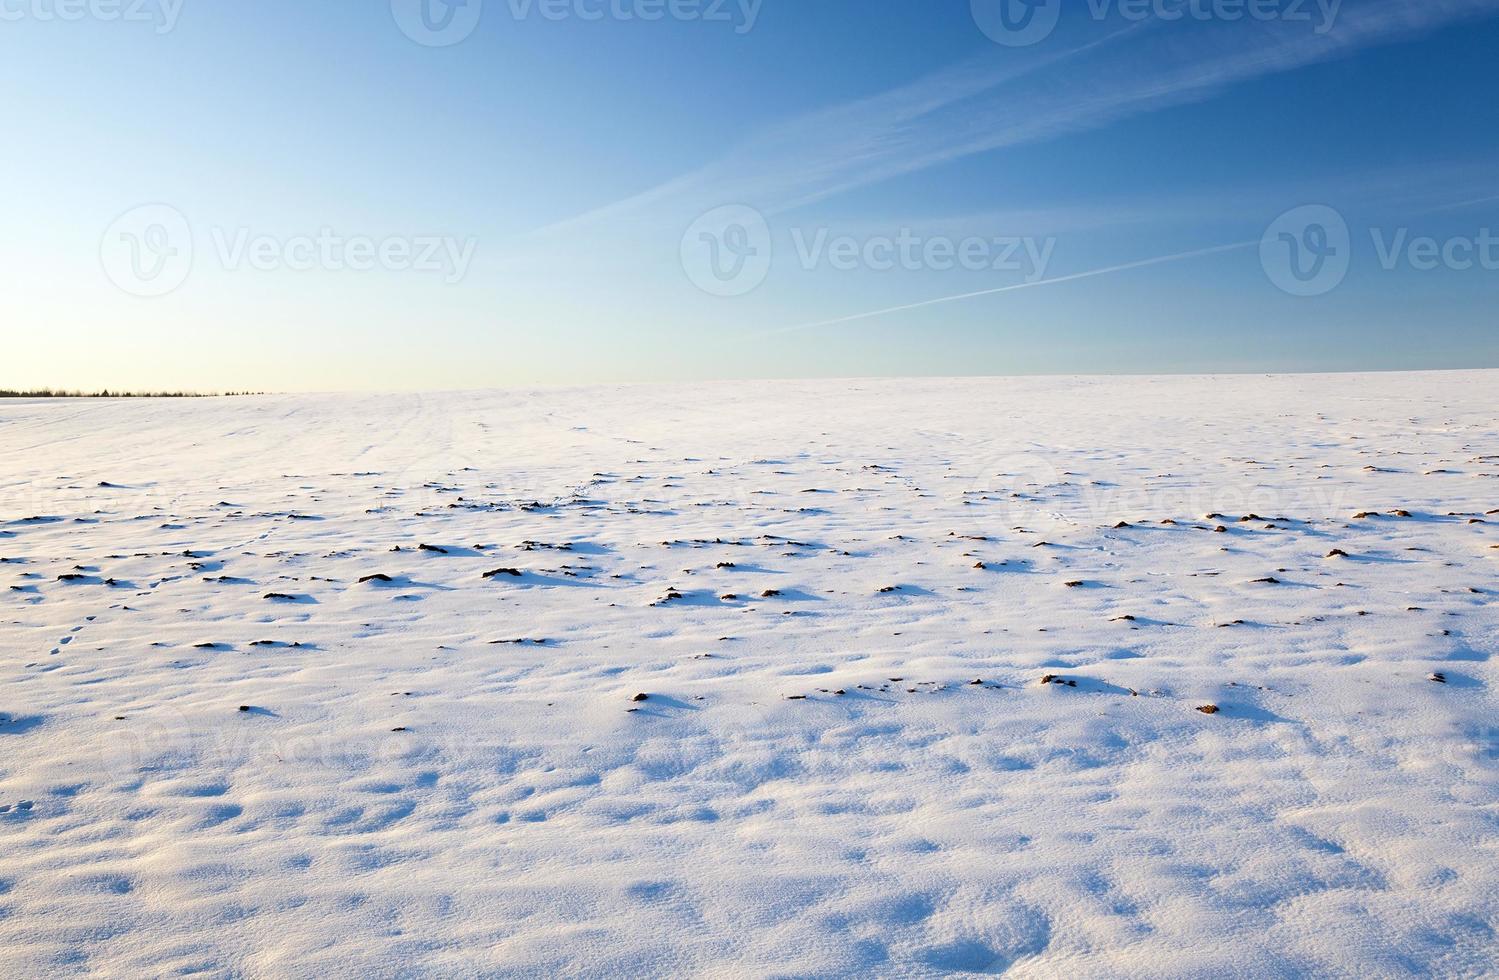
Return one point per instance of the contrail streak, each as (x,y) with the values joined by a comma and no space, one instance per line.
(1139,264)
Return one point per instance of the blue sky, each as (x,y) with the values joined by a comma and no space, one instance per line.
(193,191)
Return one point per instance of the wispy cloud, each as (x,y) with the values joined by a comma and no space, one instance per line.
(1376,189)
(1195,253)
(1013,97)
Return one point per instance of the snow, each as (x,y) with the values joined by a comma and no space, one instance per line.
(1336,816)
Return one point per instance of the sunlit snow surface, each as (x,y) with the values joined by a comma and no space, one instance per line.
(1336,816)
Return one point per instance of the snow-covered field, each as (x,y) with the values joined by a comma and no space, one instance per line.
(840,600)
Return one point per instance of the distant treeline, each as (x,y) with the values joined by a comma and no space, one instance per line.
(106,393)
